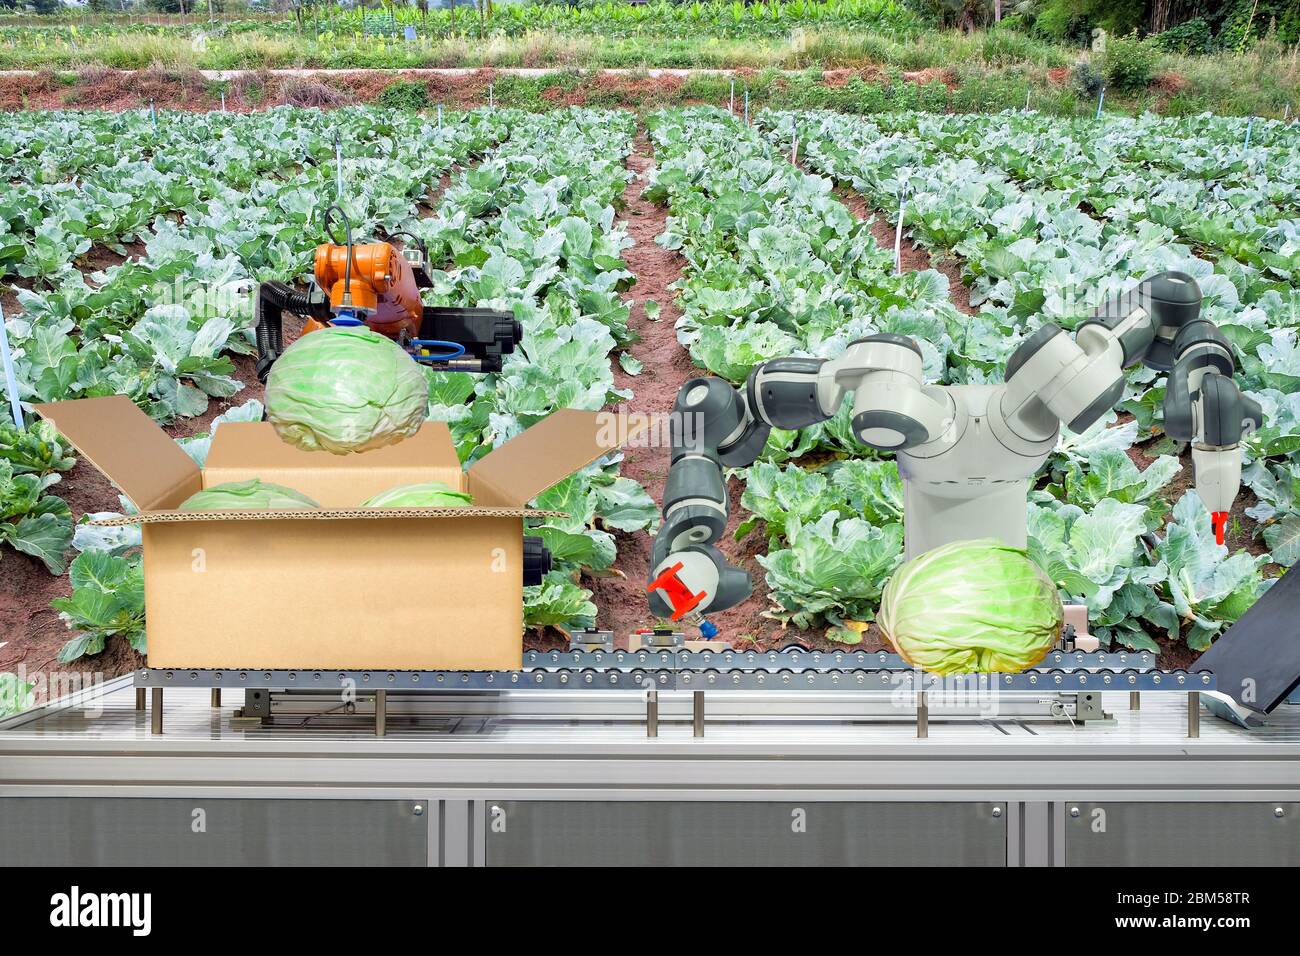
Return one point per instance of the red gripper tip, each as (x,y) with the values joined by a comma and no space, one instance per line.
(1219,521)
(678,594)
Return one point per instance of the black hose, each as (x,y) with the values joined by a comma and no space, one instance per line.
(419,243)
(326,217)
(273,299)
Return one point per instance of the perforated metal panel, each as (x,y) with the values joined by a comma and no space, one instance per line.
(1182,834)
(558,833)
(78,831)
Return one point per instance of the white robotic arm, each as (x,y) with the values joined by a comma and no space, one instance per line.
(1052,377)
(967,452)
(715,425)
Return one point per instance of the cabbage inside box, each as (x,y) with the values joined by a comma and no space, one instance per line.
(343,587)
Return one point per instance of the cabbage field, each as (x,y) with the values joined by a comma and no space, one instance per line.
(129,242)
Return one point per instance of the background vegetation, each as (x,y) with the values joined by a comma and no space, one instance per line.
(1174,56)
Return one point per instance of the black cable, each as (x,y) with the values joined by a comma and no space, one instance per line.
(326,218)
(419,243)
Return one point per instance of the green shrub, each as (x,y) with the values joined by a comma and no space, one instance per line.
(1185,104)
(1014,21)
(404,95)
(1005,47)
(1129,63)
(1087,81)
(1058,21)
(1191,37)
(934,98)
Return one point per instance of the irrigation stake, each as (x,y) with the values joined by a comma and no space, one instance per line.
(731,101)
(439,116)
(746,107)
(794,148)
(898,231)
(153,116)
(1026,99)
(338,168)
(492,102)
(223,101)
(1286,113)
(1100,100)
(11,379)
(1250,125)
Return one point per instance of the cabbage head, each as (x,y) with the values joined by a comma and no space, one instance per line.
(251,495)
(429,494)
(971,606)
(345,389)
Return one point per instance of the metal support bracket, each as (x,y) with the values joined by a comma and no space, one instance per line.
(257,703)
(156,711)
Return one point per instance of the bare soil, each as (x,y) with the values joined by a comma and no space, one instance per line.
(667,366)
(621,597)
(95,87)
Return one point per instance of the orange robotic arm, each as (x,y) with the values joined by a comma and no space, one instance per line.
(376,285)
(381,286)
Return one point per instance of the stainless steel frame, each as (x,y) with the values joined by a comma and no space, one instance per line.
(460,756)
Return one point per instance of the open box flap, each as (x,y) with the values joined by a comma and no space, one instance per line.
(244,450)
(550,451)
(127,448)
(313,514)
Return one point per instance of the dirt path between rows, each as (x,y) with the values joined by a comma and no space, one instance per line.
(621,598)
(666,366)
(915,258)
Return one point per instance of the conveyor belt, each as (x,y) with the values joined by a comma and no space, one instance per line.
(672,678)
(799,658)
(558,777)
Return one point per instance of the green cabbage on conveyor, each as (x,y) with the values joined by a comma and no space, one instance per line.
(971,606)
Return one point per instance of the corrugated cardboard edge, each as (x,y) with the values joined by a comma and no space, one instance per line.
(126,447)
(331,514)
(544,454)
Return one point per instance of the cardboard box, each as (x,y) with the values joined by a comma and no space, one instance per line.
(343,587)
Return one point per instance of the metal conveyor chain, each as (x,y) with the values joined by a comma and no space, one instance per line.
(801,659)
(664,679)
